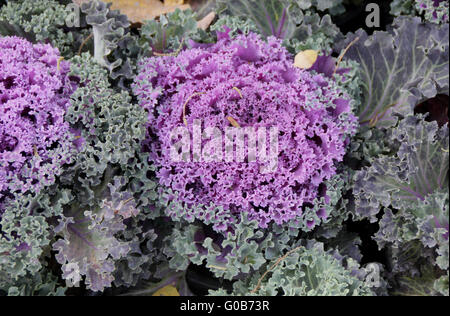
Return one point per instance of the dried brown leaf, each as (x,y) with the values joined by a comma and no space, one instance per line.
(142,10)
(168,290)
(206,21)
(305,59)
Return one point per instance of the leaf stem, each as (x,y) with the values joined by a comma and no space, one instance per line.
(272,267)
(341,56)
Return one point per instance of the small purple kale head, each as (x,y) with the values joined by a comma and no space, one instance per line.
(244,84)
(34,93)
(434,10)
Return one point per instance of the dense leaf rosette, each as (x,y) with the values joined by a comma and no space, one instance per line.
(35,140)
(253,84)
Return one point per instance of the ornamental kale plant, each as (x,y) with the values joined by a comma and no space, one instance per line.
(35,140)
(256,84)
(224,148)
(435,11)
(42,21)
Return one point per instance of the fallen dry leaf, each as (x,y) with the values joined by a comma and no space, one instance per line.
(142,10)
(233,121)
(206,21)
(173,2)
(168,290)
(305,59)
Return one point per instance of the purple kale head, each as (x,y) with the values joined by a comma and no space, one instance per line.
(244,84)
(34,94)
(434,10)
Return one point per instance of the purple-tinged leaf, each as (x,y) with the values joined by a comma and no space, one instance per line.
(419,168)
(400,68)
